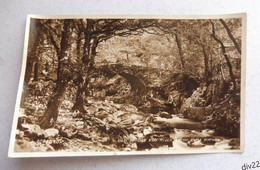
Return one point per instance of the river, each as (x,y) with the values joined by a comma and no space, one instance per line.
(186,134)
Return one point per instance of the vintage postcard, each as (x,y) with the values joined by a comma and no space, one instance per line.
(126,85)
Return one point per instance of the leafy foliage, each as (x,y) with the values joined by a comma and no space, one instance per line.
(83,71)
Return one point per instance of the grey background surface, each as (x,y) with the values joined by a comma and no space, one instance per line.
(12,18)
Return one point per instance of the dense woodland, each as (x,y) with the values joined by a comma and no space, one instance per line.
(98,83)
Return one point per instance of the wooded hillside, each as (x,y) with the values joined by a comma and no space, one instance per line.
(98,84)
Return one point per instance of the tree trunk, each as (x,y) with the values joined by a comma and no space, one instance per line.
(230,35)
(88,58)
(206,65)
(180,50)
(51,113)
(89,52)
(221,67)
(81,93)
(223,48)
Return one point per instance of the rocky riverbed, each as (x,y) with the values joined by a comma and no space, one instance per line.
(118,127)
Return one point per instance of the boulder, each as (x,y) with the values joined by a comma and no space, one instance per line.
(147,130)
(51,132)
(165,115)
(140,135)
(101,114)
(132,138)
(23,120)
(33,131)
(195,143)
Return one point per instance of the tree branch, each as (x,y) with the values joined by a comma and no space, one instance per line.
(230,35)
(223,48)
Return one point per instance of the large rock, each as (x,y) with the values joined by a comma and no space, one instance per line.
(165,115)
(132,138)
(23,120)
(195,143)
(147,130)
(51,132)
(101,114)
(33,131)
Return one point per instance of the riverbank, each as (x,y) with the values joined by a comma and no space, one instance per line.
(119,127)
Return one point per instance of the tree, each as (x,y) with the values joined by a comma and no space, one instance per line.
(35,40)
(51,113)
(230,35)
(206,65)
(79,40)
(61,36)
(96,31)
(180,49)
(223,48)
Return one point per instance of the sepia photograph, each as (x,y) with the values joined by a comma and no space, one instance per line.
(129,85)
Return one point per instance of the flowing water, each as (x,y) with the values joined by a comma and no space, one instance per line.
(187,135)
